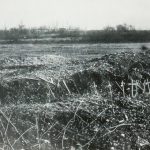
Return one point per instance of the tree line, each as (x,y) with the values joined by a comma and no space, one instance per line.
(120,33)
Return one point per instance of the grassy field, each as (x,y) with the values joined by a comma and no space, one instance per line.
(74,96)
(62,49)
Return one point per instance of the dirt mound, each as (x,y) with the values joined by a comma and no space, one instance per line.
(96,75)
(23,91)
(38,90)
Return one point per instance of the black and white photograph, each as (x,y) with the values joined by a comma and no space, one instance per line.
(74,74)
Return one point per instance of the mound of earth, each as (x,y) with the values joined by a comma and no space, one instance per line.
(76,77)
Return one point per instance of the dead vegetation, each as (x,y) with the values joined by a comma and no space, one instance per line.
(89,109)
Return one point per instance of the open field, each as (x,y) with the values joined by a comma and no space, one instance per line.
(68,49)
(75,96)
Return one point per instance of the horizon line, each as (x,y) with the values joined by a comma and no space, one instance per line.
(66,27)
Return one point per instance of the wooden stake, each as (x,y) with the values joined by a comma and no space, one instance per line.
(122,85)
(66,87)
(110,89)
(148,84)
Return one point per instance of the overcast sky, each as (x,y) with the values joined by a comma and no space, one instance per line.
(86,14)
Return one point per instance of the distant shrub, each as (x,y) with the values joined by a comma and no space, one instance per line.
(143,47)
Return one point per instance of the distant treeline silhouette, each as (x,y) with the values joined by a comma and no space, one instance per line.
(120,33)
